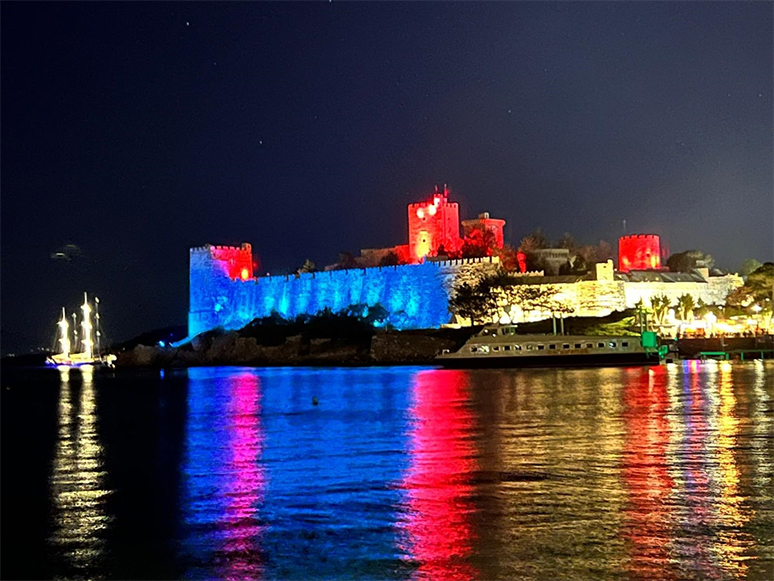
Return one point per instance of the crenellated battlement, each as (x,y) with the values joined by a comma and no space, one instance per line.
(640,236)
(365,270)
(236,262)
(214,248)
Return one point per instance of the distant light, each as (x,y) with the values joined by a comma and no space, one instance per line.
(420,213)
(245,274)
(162,344)
(432,210)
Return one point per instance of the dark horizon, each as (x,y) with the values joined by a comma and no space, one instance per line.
(137,131)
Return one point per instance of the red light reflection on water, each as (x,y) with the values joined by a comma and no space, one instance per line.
(244,479)
(696,493)
(648,516)
(437,483)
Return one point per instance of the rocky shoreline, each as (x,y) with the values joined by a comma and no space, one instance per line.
(231,348)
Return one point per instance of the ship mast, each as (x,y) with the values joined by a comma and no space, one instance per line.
(64,334)
(97,332)
(86,325)
(75,330)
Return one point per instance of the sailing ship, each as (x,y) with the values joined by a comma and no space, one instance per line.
(90,353)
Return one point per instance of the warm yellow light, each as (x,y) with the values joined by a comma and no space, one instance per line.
(245,274)
(423,244)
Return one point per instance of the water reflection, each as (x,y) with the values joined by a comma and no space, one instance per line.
(439,509)
(731,542)
(224,480)
(649,518)
(394,473)
(78,475)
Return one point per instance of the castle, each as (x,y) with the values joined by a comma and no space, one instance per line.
(224,292)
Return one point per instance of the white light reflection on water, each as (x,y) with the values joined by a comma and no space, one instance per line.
(78,475)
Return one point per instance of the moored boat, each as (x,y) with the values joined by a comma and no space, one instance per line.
(501,346)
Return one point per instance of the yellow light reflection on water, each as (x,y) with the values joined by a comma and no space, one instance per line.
(78,476)
(731,545)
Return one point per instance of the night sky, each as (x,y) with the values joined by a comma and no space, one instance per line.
(134,131)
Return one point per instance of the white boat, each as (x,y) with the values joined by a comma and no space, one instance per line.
(501,346)
(88,354)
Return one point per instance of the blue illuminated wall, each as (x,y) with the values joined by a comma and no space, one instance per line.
(416,295)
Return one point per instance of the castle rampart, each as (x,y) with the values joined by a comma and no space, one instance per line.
(416,295)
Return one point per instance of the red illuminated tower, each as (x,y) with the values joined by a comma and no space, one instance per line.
(433,224)
(639,252)
(236,262)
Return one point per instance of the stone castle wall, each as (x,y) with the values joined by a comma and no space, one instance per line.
(416,295)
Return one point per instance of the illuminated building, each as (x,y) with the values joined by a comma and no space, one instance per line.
(484,222)
(433,229)
(415,295)
(432,225)
(605,291)
(225,293)
(639,252)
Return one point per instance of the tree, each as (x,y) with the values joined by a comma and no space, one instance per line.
(701,308)
(660,306)
(604,251)
(758,289)
(509,258)
(587,253)
(308,266)
(389,259)
(476,303)
(685,306)
(478,242)
(567,241)
(346,260)
(535,241)
(690,260)
(749,266)
(592,254)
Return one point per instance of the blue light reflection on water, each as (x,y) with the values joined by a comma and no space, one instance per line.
(312,486)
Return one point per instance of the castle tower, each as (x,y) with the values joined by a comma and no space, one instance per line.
(639,252)
(433,224)
(211,270)
(484,222)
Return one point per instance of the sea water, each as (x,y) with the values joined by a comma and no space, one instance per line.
(660,472)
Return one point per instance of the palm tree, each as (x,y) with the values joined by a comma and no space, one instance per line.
(660,305)
(685,306)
